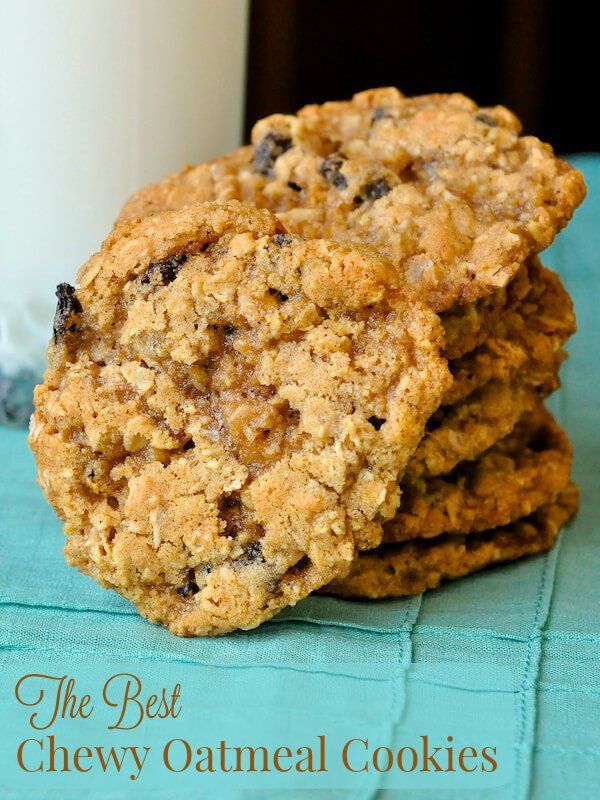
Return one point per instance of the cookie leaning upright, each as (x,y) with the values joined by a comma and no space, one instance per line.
(227,411)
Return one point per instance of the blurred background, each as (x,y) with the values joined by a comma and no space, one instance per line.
(100,97)
(536,56)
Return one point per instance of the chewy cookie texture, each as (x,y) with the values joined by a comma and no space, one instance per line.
(421,564)
(227,411)
(250,388)
(518,474)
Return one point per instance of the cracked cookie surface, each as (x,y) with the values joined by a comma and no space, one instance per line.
(410,568)
(450,193)
(227,411)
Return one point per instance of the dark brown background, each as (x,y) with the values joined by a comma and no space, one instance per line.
(539,58)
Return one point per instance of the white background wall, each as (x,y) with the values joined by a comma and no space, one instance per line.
(97,98)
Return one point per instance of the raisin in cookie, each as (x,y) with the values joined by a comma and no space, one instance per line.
(466,325)
(413,567)
(510,480)
(227,411)
(450,193)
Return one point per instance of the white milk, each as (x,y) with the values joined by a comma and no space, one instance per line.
(97,98)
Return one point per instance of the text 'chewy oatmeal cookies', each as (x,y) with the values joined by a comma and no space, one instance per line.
(227,411)
(450,193)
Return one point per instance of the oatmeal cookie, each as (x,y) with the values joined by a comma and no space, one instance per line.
(464,431)
(510,480)
(413,567)
(450,193)
(227,411)
(468,325)
(524,342)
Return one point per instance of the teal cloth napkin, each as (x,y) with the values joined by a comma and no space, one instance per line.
(537,620)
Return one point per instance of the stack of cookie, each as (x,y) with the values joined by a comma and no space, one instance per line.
(460,204)
(387,209)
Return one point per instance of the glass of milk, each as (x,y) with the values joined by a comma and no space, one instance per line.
(98,98)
